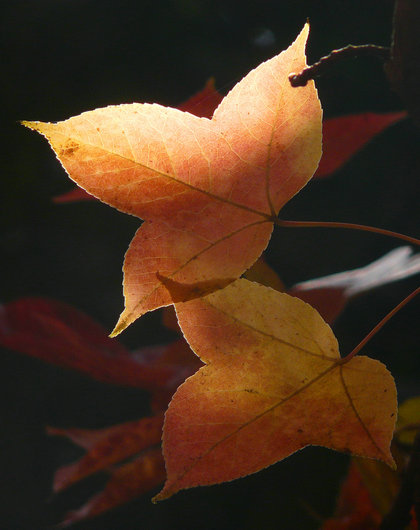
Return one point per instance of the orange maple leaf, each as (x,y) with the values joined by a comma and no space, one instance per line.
(273,383)
(208,189)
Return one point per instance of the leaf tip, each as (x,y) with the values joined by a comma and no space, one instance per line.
(126,318)
(156,499)
(120,326)
(164,494)
(392,464)
(29,124)
(305,30)
(37,126)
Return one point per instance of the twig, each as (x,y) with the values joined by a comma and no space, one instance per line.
(350,226)
(349,52)
(380,325)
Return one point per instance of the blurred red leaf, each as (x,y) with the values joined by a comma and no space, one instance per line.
(59,334)
(345,135)
(110,446)
(204,103)
(76,194)
(106,447)
(355,510)
(184,363)
(126,483)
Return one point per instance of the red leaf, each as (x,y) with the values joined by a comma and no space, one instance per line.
(57,333)
(183,363)
(204,103)
(76,194)
(345,135)
(126,483)
(106,447)
(355,510)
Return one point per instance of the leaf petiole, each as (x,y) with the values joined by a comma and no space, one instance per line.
(379,326)
(350,226)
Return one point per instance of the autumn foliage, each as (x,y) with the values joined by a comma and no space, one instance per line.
(207,189)
(265,377)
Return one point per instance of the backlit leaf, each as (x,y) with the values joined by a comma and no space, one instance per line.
(207,188)
(203,104)
(273,383)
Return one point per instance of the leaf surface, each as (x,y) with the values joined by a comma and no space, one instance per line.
(207,188)
(203,104)
(273,383)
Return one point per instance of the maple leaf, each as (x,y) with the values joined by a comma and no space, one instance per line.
(60,334)
(273,383)
(203,104)
(342,137)
(128,481)
(106,447)
(355,510)
(370,487)
(207,189)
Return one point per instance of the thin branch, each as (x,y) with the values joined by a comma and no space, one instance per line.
(380,325)
(325,63)
(350,226)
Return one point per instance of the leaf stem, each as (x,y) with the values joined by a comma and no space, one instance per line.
(351,226)
(379,326)
(349,52)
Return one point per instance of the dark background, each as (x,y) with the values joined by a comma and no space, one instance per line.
(62,57)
